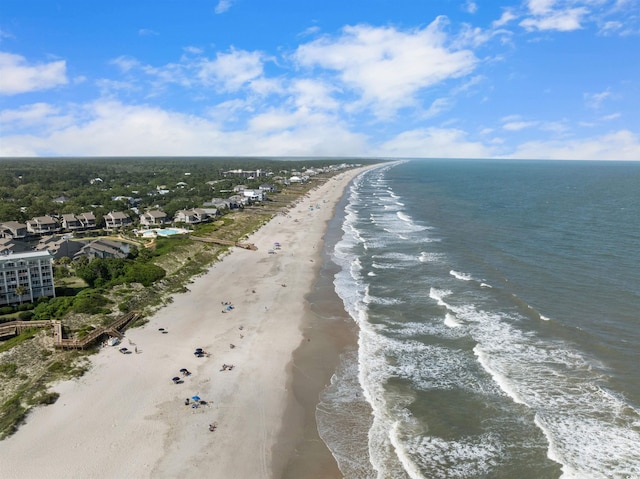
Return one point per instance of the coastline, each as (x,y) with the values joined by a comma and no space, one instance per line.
(125,417)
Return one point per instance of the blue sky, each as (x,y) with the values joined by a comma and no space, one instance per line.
(383,78)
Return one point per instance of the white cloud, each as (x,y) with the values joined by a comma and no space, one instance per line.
(28,114)
(387,67)
(231,71)
(470,7)
(223,6)
(111,128)
(433,143)
(313,95)
(540,7)
(17,76)
(595,100)
(561,20)
(125,63)
(193,50)
(619,145)
(506,17)
(518,125)
(146,32)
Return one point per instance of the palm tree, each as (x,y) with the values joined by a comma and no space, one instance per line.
(20,291)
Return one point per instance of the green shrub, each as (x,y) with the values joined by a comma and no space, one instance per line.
(8,369)
(25,315)
(55,308)
(47,398)
(89,302)
(124,307)
(145,273)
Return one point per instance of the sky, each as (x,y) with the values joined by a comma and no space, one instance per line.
(531,79)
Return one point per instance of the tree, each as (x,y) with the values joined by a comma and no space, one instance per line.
(20,291)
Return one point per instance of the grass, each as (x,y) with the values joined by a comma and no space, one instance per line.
(34,391)
(16,340)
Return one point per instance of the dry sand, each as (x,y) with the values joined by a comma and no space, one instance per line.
(126,418)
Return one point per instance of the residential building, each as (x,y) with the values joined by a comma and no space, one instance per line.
(13,229)
(153,218)
(268,188)
(24,277)
(87,219)
(254,195)
(117,219)
(71,223)
(192,216)
(8,245)
(43,225)
(59,246)
(103,248)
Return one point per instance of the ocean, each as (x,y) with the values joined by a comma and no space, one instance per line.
(497,306)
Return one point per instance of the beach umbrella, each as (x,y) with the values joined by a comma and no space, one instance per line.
(195,398)
(176,379)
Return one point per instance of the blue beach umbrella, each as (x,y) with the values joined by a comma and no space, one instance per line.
(195,398)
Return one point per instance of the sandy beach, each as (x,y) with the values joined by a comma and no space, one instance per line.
(127,418)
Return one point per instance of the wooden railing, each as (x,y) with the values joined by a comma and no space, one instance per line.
(112,329)
(16,327)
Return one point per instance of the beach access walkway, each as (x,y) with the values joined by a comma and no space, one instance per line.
(222,242)
(114,329)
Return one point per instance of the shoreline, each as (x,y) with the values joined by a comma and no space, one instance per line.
(328,331)
(128,417)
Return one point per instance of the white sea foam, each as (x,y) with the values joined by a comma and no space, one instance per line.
(451,321)
(380,300)
(439,295)
(590,431)
(499,378)
(431,328)
(426,257)
(463,458)
(395,257)
(462,276)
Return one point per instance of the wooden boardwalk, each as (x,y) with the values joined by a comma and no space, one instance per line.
(14,328)
(222,242)
(114,329)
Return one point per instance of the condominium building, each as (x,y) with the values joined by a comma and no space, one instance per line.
(24,277)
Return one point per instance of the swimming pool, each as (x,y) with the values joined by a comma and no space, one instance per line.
(152,233)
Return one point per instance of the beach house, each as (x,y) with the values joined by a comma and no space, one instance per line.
(153,218)
(117,219)
(43,225)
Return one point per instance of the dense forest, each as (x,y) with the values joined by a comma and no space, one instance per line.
(30,186)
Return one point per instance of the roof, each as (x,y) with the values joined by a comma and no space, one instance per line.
(27,255)
(118,215)
(156,213)
(14,225)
